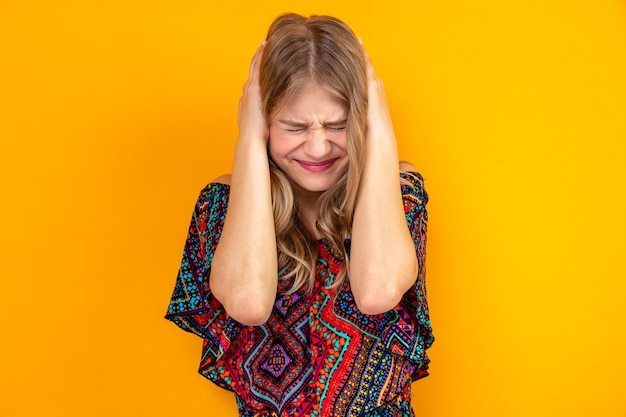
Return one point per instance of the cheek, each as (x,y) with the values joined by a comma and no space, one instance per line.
(341,141)
(277,145)
(344,140)
(273,142)
(271,151)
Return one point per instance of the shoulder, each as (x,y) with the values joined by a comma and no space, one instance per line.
(407,166)
(214,195)
(412,183)
(216,192)
(222,179)
(409,175)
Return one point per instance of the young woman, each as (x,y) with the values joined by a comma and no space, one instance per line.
(303,271)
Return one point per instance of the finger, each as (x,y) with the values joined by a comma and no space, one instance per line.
(239,110)
(369,67)
(256,61)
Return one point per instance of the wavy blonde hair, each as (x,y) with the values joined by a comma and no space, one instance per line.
(322,49)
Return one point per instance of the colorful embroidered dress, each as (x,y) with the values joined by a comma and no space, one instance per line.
(317,355)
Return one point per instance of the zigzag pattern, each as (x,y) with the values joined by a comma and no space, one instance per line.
(317,355)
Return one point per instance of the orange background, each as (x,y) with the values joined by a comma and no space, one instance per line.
(114,114)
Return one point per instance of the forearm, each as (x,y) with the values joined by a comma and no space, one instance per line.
(383,264)
(244,269)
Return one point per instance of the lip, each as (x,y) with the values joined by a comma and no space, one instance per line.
(317,166)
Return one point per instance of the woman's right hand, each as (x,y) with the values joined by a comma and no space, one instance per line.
(244,274)
(252,123)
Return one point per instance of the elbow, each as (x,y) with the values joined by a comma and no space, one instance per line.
(376,293)
(377,301)
(249,313)
(248,304)
(250,317)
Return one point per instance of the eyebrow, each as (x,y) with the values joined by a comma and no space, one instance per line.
(336,123)
(294,123)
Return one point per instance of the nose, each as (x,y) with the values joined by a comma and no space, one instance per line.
(317,145)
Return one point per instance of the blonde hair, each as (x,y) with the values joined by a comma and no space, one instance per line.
(322,49)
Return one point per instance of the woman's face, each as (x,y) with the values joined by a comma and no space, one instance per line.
(308,139)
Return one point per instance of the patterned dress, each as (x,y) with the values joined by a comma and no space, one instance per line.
(317,355)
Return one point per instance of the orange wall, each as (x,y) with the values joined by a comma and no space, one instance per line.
(114,114)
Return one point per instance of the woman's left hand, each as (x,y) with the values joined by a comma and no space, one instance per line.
(383,264)
(379,124)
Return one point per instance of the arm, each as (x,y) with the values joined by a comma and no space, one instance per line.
(383,264)
(244,271)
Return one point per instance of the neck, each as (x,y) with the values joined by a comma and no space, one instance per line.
(307,205)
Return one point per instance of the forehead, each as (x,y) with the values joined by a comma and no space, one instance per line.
(312,102)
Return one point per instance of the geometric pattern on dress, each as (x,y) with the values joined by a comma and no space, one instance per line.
(317,355)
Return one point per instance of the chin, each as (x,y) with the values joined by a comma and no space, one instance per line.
(315,187)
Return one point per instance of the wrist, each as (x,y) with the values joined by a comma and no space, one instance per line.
(252,139)
(383,142)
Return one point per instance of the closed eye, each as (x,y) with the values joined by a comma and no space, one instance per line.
(336,128)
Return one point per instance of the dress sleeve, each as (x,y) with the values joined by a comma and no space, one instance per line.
(411,334)
(192,306)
